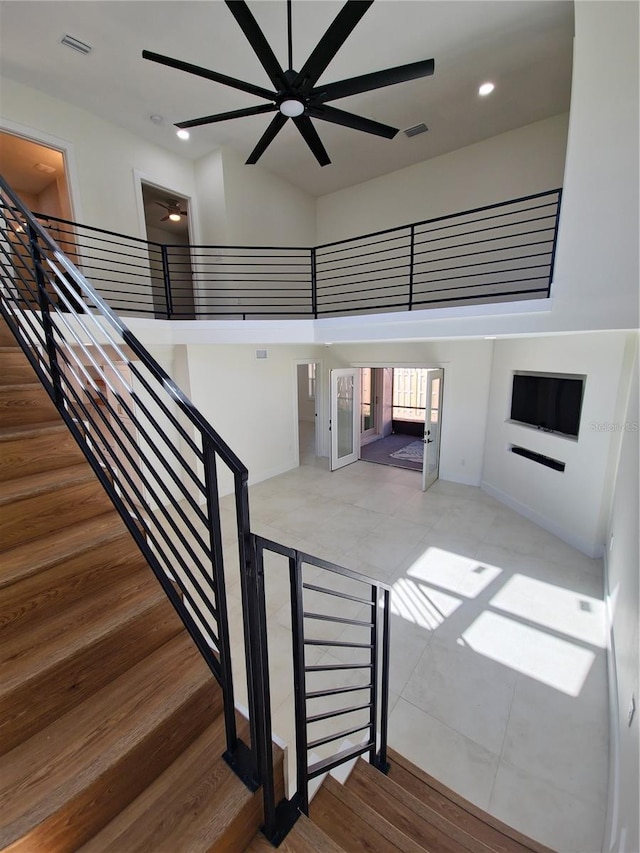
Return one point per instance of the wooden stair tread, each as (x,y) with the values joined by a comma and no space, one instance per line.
(44,482)
(75,652)
(476,822)
(11,433)
(65,776)
(189,808)
(353,824)
(421,823)
(305,837)
(29,558)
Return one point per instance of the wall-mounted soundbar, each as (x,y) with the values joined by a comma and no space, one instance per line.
(556,464)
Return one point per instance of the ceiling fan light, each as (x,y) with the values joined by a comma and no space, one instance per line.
(486,89)
(175,217)
(182,133)
(291,108)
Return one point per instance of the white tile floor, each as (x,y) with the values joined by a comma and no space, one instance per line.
(498,670)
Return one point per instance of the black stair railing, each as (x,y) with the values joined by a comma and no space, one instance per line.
(164,468)
(157,457)
(495,253)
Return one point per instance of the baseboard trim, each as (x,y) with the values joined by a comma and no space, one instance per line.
(588,548)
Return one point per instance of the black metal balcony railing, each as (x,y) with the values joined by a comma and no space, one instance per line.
(161,463)
(497,253)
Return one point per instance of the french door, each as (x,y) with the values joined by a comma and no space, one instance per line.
(432,428)
(345,417)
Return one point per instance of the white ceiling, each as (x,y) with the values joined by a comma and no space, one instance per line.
(523,46)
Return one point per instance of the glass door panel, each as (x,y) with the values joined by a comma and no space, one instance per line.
(345,417)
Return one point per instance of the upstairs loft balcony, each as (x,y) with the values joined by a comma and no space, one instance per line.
(499,253)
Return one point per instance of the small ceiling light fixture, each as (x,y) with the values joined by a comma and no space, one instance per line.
(182,133)
(175,217)
(291,107)
(44,167)
(486,89)
(156,119)
(76,44)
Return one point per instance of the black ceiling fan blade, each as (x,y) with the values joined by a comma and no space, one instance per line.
(208,75)
(310,136)
(331,42)
(276,125)
(249,111)
(367,125)
(258,42)
(376,80)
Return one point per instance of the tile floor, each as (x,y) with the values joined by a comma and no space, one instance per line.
(498,669)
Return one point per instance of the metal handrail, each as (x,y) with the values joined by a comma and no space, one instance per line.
(374,596)
(497,252)
(152,450)
(157,458)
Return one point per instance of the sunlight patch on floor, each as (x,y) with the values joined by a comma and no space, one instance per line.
(425,607)
(551,660)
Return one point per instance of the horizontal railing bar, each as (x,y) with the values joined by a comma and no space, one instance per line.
(328,715)
(337,593)
(337,666)
(481,251)
(341,619)
(445,217)
(338,644)
(321,767)
(318,694)
(314,744)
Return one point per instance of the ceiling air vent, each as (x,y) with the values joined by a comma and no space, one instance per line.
(416,130)
(76,44)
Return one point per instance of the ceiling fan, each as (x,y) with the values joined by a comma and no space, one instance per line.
(296,94)
(174,213)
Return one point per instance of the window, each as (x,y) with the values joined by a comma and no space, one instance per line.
(409,393)
(311,381)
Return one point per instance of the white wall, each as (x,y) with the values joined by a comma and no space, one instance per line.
(467,373)
(567,503)
(518,163)
(104,158)
(596,273)
(264,210)
(251,402)
(622,561)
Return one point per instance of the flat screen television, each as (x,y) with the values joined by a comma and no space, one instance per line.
(549,402)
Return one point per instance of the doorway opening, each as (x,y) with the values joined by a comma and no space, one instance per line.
(166,216)
(307,376)
(397,418)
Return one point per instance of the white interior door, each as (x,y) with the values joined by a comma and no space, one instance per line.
(345,416)
(432,424)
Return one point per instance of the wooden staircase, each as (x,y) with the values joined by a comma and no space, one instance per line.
(111,733)
(111,726)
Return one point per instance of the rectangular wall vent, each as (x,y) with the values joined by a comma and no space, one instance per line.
(76,44)
(416,130)
(261,353)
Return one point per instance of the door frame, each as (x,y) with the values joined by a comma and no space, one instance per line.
(140,178)
(441,365)
(64,146)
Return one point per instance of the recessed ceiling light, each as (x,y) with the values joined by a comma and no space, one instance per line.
(182,133)
(486,89)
